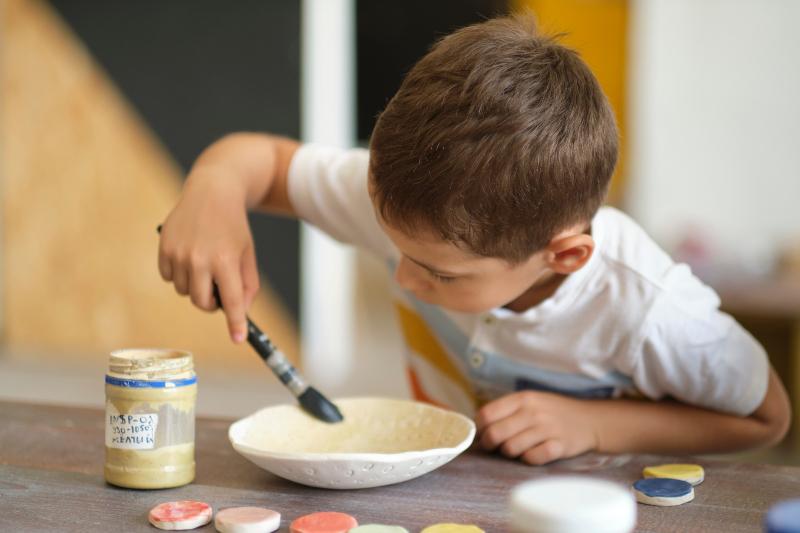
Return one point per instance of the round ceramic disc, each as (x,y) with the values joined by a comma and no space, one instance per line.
(326,522)
(378,528)
(694,474)
(573,504)
(663,492)
(247,520)
(783,517)
(452,528)
(184,514)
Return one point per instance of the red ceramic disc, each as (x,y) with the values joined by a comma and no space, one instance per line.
(327,522)
(184,514)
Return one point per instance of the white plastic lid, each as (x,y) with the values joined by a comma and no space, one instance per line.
(567,504)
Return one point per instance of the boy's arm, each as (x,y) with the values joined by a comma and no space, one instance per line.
(671,427)
(543,427)
(253,165)
(206,236)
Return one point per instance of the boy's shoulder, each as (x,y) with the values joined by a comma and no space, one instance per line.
(327,187)
(681,344)
(624,246)
(645,277)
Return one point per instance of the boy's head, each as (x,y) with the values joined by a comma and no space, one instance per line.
(498,144)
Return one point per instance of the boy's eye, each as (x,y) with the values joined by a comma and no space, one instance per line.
(442,279)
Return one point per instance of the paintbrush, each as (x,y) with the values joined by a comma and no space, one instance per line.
(310,399)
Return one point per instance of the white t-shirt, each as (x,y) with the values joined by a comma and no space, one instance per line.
(631,321)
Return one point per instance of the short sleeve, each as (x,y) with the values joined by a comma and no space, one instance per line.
(695,353)
(328,188)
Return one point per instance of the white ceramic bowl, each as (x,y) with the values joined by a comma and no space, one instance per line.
(381,441)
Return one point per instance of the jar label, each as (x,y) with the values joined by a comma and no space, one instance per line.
(135,431)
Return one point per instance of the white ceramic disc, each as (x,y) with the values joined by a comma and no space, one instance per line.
(378,528)
(572,504)
(247,520)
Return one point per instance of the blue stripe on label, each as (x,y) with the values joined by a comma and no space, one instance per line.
(145,384)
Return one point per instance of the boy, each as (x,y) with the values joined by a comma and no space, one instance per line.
(518,296)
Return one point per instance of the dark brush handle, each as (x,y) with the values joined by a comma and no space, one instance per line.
(309,398)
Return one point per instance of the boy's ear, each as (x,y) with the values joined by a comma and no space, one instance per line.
(567,253)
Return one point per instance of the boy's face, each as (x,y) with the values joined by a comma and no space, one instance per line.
(441,273)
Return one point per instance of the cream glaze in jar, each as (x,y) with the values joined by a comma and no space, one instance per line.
(150,400)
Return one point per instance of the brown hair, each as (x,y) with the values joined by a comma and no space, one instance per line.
(497,139)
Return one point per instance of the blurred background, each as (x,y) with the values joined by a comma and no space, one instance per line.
(105,104)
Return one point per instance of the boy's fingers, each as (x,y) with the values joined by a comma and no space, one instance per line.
(180,277)
(230,291)
(546,452)
(499,432)
(164,267)
(250,280)
(200,290)
(497,410)
(522,442)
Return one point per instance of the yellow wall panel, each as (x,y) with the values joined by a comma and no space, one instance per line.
(597,29)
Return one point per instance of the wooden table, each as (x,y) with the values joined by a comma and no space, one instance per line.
(51,464)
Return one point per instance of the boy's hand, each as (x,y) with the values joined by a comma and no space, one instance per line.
(206,239)
(538,427)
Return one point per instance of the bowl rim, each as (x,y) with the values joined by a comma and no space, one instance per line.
(244,449)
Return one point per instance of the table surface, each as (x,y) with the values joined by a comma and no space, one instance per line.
(51,479)
(774,298)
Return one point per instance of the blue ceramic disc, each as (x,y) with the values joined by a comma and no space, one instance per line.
(660,487)
(784,517)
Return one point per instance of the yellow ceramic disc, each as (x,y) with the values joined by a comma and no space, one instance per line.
(694,474)
(452,528)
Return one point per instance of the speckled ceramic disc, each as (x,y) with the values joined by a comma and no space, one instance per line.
(694,474)
(326,522)
(452,528)
(663,492)
(378,528)
(247,520)
(180,515)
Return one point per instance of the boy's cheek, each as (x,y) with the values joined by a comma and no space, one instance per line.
(464,303)
(462,297)
(476,301)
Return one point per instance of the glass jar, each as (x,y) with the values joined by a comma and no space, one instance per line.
(150,401)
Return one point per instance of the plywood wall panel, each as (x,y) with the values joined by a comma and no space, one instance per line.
(84,184)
